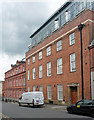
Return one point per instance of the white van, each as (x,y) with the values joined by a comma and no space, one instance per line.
(35,98)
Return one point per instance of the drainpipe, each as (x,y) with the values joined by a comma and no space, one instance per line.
(80,27)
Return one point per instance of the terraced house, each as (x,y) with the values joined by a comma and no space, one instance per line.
(55,56)
(15,81)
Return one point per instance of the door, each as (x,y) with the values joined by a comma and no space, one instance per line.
(73,95)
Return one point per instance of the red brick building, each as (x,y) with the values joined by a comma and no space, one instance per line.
(53,61)
(15,82)
(91,48)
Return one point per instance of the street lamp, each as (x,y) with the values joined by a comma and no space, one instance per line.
(80,27)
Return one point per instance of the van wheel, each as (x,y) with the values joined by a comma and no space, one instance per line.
(19,104)
(33,105)
(38,106)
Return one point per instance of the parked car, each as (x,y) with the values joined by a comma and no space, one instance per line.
(34,98)
(82,106)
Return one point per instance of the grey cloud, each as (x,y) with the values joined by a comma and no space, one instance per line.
(19,21)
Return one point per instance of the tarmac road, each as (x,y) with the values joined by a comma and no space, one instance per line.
(12,110)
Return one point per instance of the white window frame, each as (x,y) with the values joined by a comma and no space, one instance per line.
(33,73)
(34,88)
(16,71)
(49,92)
(23,80)
(28,89)
(59,45)
(92,88)
(19,70)
(28,61)
(40,55)
(13,82)
(67,15)
(49,51)
(20,82)
(40,71)
(16,82)
(72,62)
(72,38)
(56,24)
(41,88)
(17,94)
(59,66)
(46,33)
(23,67)
(49,69)
(28,75)
(60,91)
(20,93)
(33,59)
(13,72)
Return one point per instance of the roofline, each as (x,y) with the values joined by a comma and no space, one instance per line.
(15,67)
(52,16)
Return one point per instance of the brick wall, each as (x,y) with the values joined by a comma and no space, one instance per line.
(67,77)
(14,84)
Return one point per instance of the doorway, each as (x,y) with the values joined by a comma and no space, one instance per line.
(74,94)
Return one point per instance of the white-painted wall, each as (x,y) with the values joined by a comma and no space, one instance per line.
(92,85)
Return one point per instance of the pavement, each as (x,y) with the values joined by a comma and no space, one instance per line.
(55,107)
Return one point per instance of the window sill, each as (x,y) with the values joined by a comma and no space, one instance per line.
(60,74)
(72,45)
(49,76)
(58,51)
(60,100)
(48,55)
(72,71)
(40,59)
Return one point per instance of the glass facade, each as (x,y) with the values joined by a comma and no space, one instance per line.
(64,16)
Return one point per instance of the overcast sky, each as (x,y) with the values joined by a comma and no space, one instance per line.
(20,18)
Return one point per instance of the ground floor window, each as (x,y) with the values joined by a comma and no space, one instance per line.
(17,94)
(93,90)
(49,91)
(92,84)
(34,89)
(41,89)
(14,93)
(20,93)
(28,89)
(60,91)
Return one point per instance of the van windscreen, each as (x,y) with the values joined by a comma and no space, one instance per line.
(38,95)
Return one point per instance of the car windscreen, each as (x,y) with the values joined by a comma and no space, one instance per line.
(88,102)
